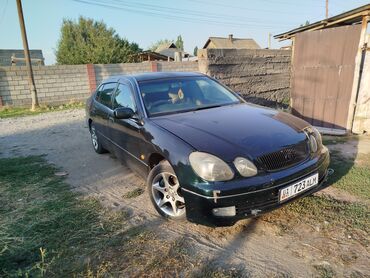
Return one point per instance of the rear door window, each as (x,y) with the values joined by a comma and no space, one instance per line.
(104,95)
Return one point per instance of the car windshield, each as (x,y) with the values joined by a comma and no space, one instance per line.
(167,96)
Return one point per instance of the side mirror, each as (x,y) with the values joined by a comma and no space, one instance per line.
(123,113)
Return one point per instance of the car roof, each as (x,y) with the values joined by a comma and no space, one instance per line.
(152,76)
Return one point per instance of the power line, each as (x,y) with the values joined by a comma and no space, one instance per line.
(242,8)
(171,10)
(3,13)
(182,15)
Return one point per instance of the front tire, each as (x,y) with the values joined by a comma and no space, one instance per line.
(98,148)
(165,192)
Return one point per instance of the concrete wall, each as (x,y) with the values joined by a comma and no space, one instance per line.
(55,84)
(262,76)
(66,83)
(104,71)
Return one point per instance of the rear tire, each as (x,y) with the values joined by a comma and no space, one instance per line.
(98,148)
(165,192)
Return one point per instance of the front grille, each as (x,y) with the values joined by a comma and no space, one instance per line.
(284,158)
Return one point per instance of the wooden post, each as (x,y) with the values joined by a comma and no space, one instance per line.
(31,80)
(357,74)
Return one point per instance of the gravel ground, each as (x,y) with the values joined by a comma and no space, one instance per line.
(64,138)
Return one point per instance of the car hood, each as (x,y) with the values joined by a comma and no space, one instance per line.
(235,130)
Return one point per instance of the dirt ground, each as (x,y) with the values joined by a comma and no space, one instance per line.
(257,245)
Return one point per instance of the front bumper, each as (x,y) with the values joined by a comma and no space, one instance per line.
(251,200)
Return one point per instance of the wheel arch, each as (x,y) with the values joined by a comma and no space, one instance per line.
(89,121)
(155,159)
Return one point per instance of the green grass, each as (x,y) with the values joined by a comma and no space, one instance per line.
(339,214)
(325,271)
(9,112)
(333,140)
(133,193)
(353,177)
(46,229)
(212,270)
(332,216)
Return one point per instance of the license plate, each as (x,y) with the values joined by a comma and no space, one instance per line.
(298,187)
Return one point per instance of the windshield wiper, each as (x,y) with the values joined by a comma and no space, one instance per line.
(207,107)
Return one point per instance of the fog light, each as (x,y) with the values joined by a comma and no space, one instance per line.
(226,211)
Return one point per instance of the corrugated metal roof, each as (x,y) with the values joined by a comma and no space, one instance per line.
(346,18)
(234,43)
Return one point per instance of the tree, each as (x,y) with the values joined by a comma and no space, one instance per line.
(179,43)
(88,41)
(195,52)
(158,43)
(305,24)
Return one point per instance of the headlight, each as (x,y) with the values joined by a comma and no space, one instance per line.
(245,167)
(313,143)
(318,138)
(210,167)
(315,139)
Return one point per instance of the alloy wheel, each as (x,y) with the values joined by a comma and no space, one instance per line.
(167,195)
(94,138)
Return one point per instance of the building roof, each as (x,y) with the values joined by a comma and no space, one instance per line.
(154,55)
(346,18)
(231,42)
(169,50)
(169,45)
(6,56)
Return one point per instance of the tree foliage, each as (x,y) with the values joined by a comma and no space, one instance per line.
(158,43)
(305,24)
(179,42)
(88,41)
(195,52)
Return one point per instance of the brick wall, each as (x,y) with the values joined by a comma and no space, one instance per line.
(178,66)
(54,84)
(104,71)
(65,83)
(261,76)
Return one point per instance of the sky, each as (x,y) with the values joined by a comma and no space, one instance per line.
(146,21)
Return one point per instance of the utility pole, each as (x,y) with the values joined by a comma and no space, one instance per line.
(327,9)
(269,41)
(31,80)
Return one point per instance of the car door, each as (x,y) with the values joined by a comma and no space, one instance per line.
(126,133)
(103,108)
